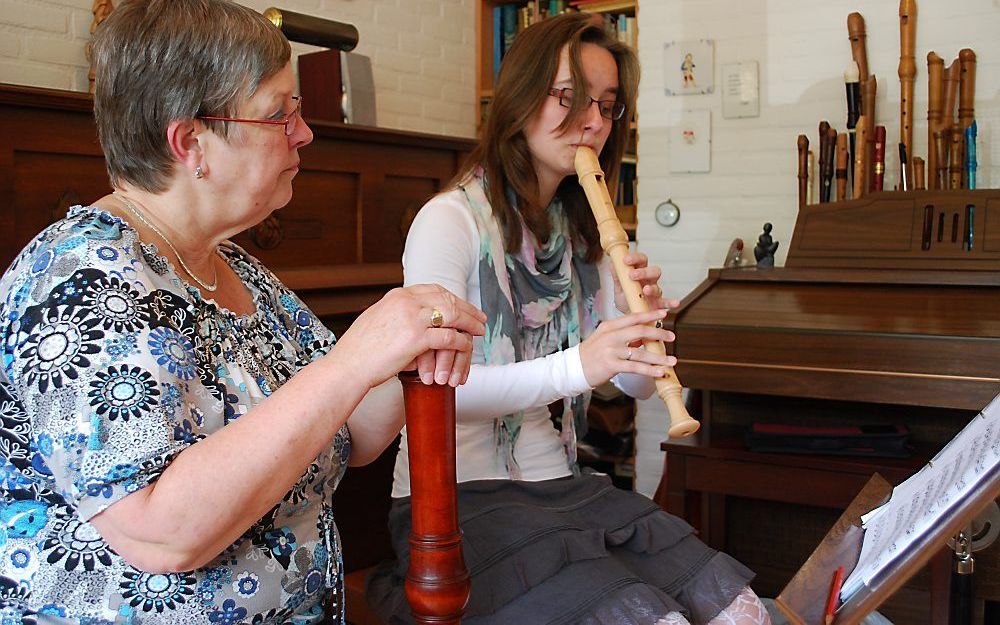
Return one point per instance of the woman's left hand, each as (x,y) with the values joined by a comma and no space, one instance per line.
(646,275)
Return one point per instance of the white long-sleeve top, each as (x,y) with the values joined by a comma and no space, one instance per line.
(443,248)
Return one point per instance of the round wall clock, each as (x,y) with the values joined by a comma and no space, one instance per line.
(667,213)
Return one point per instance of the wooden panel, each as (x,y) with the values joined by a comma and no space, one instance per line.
(909,343)
(773,482)
(918,357)
(386,225)
(846,308)
(991,226)
(854,227)
(898,230)
(318,226)
(48,183)
(49,160)
(943,393)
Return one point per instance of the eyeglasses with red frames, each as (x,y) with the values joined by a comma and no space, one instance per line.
(609,109)
(290,121)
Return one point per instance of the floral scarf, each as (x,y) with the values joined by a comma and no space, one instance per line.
(536,302)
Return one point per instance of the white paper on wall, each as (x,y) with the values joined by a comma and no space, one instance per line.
(690,141)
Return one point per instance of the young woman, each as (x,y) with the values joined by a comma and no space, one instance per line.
(514,236)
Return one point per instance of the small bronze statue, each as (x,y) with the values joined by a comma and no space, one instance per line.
(765,248)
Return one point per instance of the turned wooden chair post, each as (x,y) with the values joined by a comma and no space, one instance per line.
(437,583)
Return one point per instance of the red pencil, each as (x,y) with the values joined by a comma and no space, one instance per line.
(834,598)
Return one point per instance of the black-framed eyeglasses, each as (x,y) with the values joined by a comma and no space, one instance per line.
(610,109)
(290,121)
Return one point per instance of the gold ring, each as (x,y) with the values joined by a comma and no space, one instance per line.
(437,319)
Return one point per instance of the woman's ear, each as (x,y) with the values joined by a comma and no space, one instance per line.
(185,146)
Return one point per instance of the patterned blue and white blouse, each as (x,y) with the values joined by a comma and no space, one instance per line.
(112,365)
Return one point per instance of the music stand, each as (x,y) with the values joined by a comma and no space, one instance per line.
(804,598)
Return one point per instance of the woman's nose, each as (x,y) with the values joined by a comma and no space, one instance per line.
(592,118)
(302,136)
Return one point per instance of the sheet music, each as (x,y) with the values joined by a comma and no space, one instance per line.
(918,503)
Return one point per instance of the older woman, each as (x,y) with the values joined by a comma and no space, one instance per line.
(175,420)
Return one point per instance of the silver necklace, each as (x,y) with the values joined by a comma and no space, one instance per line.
(135,211)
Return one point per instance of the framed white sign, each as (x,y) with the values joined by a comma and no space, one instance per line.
(688,67)
(740,90)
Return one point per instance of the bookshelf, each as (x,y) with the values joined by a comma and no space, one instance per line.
(489,25)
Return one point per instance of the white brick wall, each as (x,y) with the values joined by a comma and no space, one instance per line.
(422,51)
(802,50)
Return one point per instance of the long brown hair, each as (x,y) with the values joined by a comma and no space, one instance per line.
(525,77)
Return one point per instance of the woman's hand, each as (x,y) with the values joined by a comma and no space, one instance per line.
(395,334)
(648,277)
(614,348)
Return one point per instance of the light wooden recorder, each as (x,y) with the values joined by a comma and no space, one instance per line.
(842,158)
(614,241)
(966,99)
(803,145)
(935,102)
(967,87)
(858,35)
(907,76)
(918,173)
(869,91)
(861,163)
(952,77)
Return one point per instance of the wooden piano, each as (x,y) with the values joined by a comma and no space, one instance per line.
(888,311)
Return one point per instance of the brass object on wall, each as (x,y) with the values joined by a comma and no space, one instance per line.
(313,30)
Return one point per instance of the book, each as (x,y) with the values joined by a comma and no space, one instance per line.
(510,24)
(603,6)
(498,35)
(523,18)
(630,31)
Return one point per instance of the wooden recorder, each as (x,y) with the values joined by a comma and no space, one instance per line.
(614,241)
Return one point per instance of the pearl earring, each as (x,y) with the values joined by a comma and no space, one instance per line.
(198,173)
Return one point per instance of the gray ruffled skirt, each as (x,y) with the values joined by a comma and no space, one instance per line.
(573,550)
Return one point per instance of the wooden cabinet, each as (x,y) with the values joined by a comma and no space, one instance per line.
(338,243)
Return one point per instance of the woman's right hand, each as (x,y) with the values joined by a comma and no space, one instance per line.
(614,348)
(395,334)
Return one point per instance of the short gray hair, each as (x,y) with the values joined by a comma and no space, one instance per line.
(158,61)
